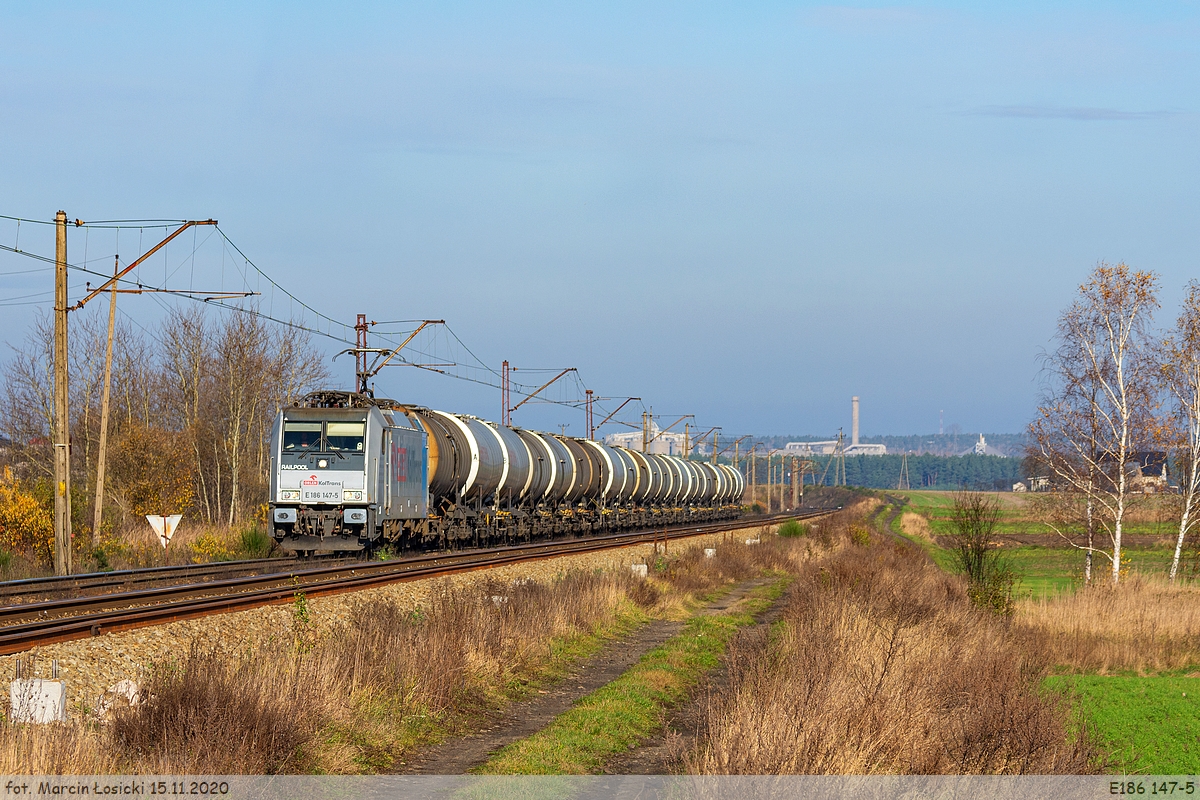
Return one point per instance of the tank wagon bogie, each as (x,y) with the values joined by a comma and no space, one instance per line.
(353,472)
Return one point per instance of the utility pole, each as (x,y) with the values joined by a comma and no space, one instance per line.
(794,461)
(686,440)
(591,429)
(645,431)
(715,440)
(62,429)
(750,473)
(360,352)
(505,413)
(98,517)
(770,483)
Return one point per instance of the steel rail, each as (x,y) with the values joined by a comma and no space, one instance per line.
(158,606)
(53,584)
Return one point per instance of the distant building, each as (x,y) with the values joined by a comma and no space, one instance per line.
(1148,472)
(811,448)
(982,448)
(666,444)
(1039,484)
(864,449)
(828,449)
(854,448)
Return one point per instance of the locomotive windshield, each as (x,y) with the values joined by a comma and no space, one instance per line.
(345,435)
(339,437)
(301,435)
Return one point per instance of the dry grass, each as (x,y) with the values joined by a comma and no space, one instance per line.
(56,750)
(916,526)
(358,698)
(1143,625)
(363,696)
(881,665)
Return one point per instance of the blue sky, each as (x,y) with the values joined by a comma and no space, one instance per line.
(748,214)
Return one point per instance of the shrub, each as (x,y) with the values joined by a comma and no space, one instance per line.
(793,528)
(254,543)
(975,516)
(210,547)
(26,526)
(860,536)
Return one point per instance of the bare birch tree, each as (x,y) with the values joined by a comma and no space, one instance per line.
(1181,374)
(1098,402)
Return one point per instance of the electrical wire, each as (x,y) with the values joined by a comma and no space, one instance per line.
(490,376)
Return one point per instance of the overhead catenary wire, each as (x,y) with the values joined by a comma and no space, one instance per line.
(443,352)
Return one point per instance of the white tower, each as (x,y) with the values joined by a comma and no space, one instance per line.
(854,421)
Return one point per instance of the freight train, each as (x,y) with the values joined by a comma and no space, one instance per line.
(353,472)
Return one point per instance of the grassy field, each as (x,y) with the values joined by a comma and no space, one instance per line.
(1041,569)
(1149,725)
(1149,517)
(1049,570)
(1146,723)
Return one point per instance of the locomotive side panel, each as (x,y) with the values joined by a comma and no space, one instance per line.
(406,456)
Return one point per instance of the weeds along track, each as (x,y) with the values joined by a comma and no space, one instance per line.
(30,624)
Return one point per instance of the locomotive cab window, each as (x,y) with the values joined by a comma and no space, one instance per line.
(298,436)
(345,436)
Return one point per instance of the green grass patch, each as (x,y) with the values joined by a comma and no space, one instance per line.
(1148,725)
(619,716)
(793,528)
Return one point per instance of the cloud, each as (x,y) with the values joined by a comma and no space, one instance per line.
(848,15)
(1081,113)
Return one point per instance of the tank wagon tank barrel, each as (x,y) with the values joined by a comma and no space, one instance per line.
(351,472)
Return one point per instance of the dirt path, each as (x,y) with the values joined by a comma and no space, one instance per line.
(658,755)
(457,756)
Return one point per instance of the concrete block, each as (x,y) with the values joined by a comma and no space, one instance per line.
(710,552)
(640,570)
(38,700)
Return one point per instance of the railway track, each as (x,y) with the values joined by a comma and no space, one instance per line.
(97,582)
(46,622)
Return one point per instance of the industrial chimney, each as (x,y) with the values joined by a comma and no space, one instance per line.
(854,421)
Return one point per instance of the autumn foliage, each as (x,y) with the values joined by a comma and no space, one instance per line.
(26,526)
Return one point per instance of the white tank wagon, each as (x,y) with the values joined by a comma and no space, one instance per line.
(353,472)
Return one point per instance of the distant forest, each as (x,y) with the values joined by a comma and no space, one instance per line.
(993,473)
(938,444)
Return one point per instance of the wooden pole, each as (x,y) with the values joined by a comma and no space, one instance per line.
(98,516)
(62,428)
(770,482)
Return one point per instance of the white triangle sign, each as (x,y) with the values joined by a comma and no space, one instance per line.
(164,526)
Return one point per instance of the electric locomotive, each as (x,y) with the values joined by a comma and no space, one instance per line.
(353,472)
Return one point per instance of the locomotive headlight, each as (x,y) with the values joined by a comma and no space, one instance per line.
(351,495)
(289,494)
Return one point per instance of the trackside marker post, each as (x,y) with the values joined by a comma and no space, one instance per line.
(164,526)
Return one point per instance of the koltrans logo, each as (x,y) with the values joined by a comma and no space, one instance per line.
(312,480)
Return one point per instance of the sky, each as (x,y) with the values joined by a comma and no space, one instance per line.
(745,212)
